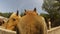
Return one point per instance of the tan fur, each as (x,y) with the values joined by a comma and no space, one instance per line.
(11,24)
(31,23)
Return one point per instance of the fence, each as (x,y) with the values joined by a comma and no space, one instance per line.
(55,30)
(4,31)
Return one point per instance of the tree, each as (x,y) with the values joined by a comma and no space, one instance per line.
(7,15)
(52,7)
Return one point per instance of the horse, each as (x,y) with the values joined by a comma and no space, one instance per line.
(12,22)
(32,23)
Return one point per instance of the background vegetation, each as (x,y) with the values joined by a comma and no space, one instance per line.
(7,15)
(52,7)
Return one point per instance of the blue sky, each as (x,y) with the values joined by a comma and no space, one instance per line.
(13,5)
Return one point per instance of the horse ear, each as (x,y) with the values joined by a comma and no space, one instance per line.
(17,13)
(25,10)
(34,9)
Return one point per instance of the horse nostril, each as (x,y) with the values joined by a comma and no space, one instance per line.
(3,22)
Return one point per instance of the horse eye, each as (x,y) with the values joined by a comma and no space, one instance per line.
(14,19)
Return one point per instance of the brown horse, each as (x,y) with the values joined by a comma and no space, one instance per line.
(13,20)
(31,23)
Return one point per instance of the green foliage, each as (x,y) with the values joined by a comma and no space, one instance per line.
(22,14)
(52,7)
(7,15)
(45,15)
(0,14)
